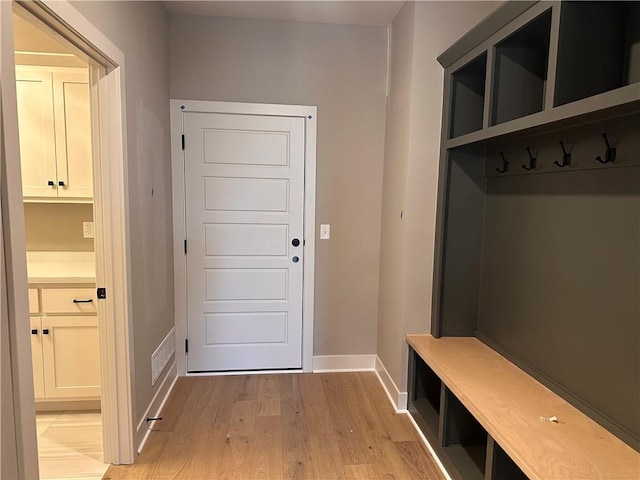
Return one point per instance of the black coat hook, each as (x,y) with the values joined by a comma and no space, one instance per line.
(566,157)
(505,164)
(610,154)
(532,161)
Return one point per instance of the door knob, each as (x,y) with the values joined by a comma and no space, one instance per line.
(295,242)
(295,259)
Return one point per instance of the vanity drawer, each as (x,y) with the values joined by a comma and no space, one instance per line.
(68,300)
(34,304)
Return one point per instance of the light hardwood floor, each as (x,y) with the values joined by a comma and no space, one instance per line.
(70,445)
(284,426)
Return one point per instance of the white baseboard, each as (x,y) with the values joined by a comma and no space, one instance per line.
(398,401)
(429,447)
(155,407)
(397,398)
(343,363)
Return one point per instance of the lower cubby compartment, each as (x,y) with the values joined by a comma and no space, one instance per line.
(501,466)
(425,392)
(463,439)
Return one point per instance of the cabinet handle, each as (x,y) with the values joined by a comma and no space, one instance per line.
(61,183)
(34,331)
(50,183)
(75,300)
(45,331)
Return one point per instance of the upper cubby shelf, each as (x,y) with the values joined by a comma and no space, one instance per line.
(541,65)
(598,49)
(467,97)
(520,71)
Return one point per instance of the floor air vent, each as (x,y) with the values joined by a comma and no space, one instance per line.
(161,356)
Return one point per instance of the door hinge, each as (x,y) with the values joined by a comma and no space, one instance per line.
(101,292)
(185,247)
(186,345)
(183,141)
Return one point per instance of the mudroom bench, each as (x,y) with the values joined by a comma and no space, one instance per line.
(488,419)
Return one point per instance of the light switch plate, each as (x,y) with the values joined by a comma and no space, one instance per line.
(88,230)
(325,232)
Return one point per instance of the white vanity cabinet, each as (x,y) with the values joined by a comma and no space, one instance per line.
(64,341)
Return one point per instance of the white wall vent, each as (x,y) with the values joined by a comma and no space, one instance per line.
(161,356)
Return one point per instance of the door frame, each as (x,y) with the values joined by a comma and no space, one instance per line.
(113,265)
(309,114)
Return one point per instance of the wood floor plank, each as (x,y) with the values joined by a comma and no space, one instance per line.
(398,427)
(174,405)
(268,396)
(353,449)
(282,426)
(200,404)
(315,405)
(296,452)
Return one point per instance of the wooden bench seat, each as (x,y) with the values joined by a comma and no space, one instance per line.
(509,404)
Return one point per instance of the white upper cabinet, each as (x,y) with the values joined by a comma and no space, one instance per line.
(55,133)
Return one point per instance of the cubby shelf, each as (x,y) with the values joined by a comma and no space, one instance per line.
(595,66)
(467,96)
(598,48)
(520,71)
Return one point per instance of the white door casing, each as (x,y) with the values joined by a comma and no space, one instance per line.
(241,191)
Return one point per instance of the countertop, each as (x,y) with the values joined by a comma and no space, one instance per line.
(61,267)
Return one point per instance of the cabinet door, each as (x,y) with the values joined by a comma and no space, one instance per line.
(73,134)
(36,356)
(37,132)
(71,357)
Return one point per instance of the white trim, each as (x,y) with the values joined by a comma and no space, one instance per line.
(309,113)
(429,447)
(400,407)
(240,372)
(17,347)
(343,363)
(397,398)
(144,428)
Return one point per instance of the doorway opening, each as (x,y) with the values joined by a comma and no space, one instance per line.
(56,154)
(110,302)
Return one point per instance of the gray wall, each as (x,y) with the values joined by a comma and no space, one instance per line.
(420,32)
(342,70)
(140,31)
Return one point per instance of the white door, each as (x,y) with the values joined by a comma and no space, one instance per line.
(244,189)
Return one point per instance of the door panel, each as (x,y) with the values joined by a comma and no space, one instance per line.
(233,147)
(246,194)
(223,239)
(244,180)
(250,284)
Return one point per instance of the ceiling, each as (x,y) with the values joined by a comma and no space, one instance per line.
(379,13)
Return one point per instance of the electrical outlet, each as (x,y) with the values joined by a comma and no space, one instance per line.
(325,232)
(88,230)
